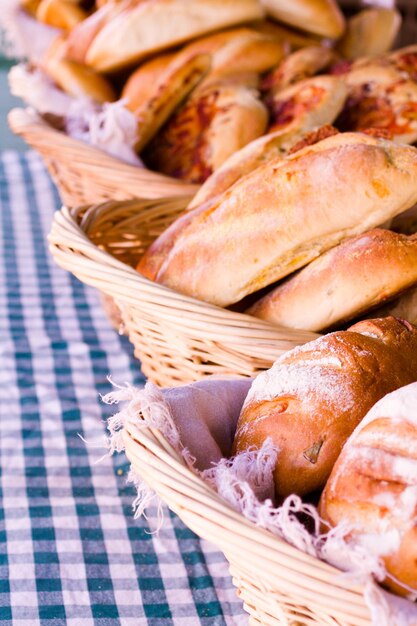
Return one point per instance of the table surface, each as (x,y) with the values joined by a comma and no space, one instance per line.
(71,551)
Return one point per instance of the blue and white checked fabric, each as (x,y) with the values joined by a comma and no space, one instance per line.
(70,549)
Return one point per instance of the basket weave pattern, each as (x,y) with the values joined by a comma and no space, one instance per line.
(178,339)
(84,174)
(278,584)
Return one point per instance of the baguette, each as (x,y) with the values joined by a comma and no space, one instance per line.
(289,211)
(314,396)
(348,280)
(373,487)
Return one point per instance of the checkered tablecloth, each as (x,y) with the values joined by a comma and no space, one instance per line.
(70,550)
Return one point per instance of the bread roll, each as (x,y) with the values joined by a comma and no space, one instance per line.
(346,281)
(60,13)
(380,97)
(314,396)
(288,212)
(369,33)
(373,487)
(294,38)
(238,50)
(211,125)
(142,83)
(322,17)
(160,24)
(311,102)
(298,66)
(405,60)
(256,153)
(177,80)
(80,81)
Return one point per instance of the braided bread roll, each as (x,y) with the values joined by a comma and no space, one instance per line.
(315,395)
(373,487)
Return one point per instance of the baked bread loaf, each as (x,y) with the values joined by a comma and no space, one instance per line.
(213,123)
(321,17)
(256,153)
(175,82)
(311,102)
(380,97)
(297,66)
(405,306)
(239,50)
(315,395)
(369,33)
(154,25)
(80,81)
(141,85)
(60,13)
(373,487)
(346,281)
(289,211)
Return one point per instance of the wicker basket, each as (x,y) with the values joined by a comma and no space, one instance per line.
(84,174)
(278,584)
(177,339)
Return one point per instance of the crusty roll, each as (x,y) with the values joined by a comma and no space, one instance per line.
(154,25)
(311,102)
(314,396)
(141,84)
(259,151)
(297,66)
(370,32)
(80,81)
(178,79)
(289,211)
(321,17)
(346,281)
(380,96)
(79,39)
(373,487)
(207,129)
(60,13)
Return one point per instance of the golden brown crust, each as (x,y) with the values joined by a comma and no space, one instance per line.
(380,97)
(298,66)
(61,14)
(81,36)
(141,84)
(313,397)
(309,103)
(212,125)
(373,486)
(289,211)
(80,81)
(178,79)
(348,280)
(369,33)
(321,17)
(157,25)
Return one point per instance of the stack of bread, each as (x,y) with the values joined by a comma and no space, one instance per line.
(205,78)
(341,413)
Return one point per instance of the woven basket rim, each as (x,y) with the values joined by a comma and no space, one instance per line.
(27,121)
(67,241)
(209,515)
